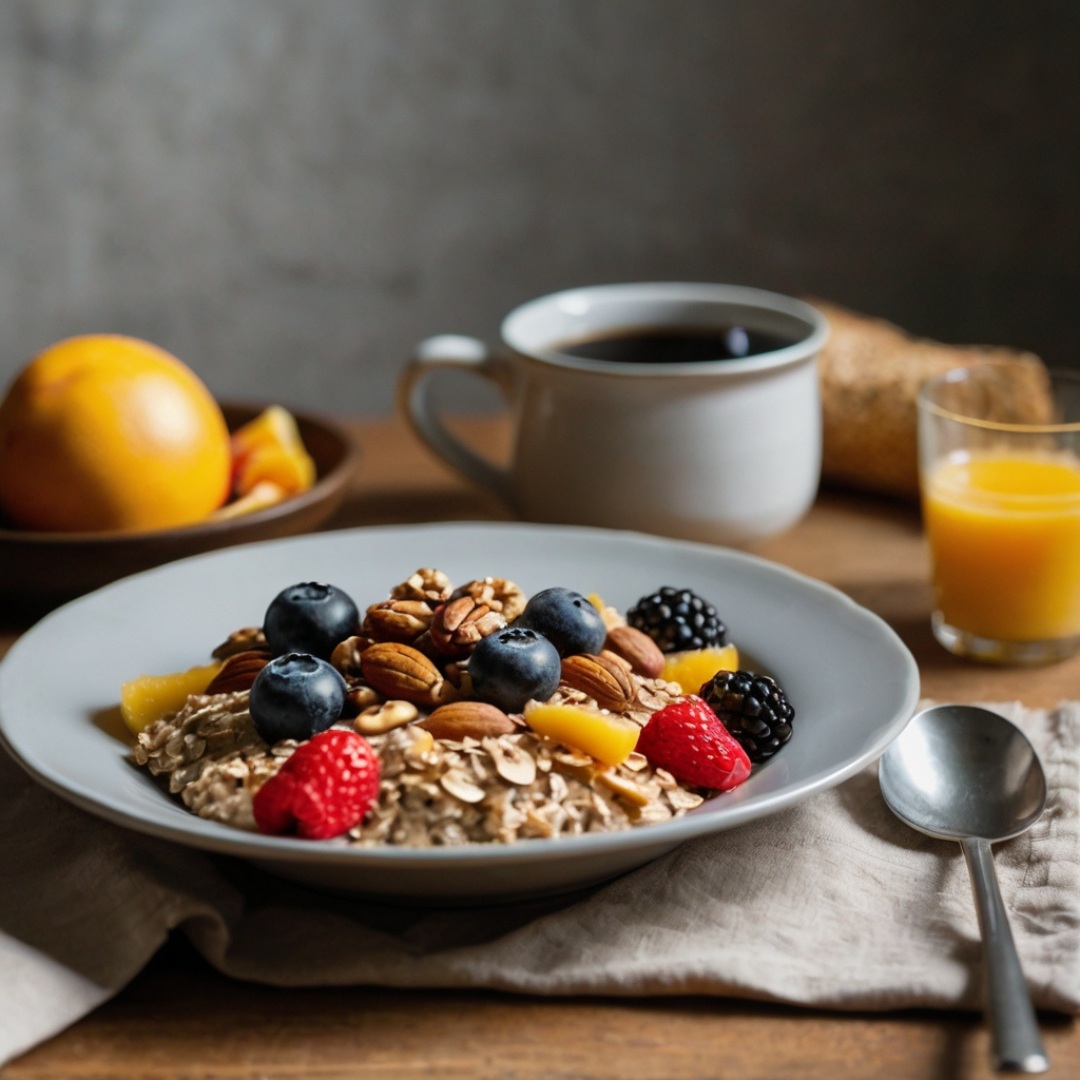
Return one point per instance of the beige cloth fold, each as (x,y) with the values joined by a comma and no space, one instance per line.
(832,903)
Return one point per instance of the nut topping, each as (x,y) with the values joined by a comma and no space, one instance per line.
(460,719)
(636,647)
(426,584)
(246,640)
(378,719)
(459,624)
(397,620)
(499,594)
(239,671)
(400,671)
(603,679)
(346,656)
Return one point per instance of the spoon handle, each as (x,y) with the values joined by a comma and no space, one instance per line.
(1017,1044)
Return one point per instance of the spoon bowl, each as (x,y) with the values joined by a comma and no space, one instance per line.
(959,772)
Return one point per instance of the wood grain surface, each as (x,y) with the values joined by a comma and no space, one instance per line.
(179,1019)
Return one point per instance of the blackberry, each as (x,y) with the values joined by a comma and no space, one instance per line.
(678,619)
(753,708)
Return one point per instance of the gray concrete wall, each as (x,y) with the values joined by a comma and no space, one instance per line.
(290,193)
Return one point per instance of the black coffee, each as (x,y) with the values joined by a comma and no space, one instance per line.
(666,345)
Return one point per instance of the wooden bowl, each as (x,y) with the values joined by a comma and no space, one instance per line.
(41,569)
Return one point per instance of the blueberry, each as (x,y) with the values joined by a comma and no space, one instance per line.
(512,666)
(311,618)
(566,619)
(296,696)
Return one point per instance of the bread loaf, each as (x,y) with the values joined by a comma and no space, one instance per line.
(871,372)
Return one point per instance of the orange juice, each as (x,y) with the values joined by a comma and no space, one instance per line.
(1004,533)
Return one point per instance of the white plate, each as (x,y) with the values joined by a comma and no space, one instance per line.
(851,680)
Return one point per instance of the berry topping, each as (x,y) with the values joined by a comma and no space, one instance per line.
(310,617)
(567,619)
(688,740)
(324,788)
(677,620)
(513,666)
(753,708)
(294,696)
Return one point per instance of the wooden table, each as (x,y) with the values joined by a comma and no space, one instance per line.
(179,1018)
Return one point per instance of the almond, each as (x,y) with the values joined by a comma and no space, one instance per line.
(400,671)
(603,678)
(239,671)
(638,649)
(474,719)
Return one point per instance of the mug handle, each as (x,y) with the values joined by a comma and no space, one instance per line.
(461,353)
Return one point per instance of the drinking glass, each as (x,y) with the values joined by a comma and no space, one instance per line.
(999,471)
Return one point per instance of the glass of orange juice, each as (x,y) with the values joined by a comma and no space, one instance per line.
(999,469)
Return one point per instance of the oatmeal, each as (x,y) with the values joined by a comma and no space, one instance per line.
(474,714)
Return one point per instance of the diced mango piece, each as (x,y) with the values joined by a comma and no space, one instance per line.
(604,736)
(148,698)
(695,667)
(270,448)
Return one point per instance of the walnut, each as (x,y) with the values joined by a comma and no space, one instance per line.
(398,620)
(426,584)
(498,594)
(459,624)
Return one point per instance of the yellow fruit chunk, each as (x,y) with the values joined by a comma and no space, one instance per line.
(150,697)
(604,736)
(270,448)
(103,433)
(695,667)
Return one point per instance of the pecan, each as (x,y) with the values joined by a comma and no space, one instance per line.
(636,647)
(475,719)
(245,640)
(602,678)
(397,620)
(239,671)
(400,671)
(459,624)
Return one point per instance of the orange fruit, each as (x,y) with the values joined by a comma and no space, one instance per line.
(605,736)
(109,433)
(693,668)
(150,697)
(269,449)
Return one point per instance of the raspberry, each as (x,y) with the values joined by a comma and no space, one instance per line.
(325,788)
(688,740)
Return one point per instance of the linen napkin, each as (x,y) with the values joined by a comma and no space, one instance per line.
(832,903)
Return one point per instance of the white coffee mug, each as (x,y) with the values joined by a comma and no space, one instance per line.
(722,450)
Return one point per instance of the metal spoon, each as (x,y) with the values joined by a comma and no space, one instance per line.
(959,772)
